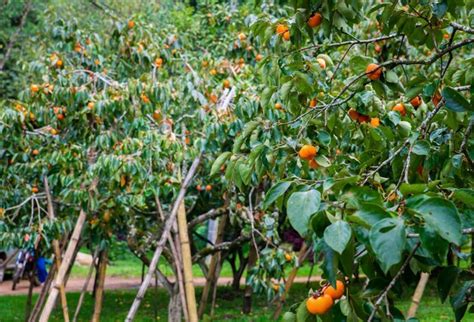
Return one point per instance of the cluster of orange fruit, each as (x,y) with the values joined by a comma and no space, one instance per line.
(207,188)
(308,153)
(321,301)
(313,21)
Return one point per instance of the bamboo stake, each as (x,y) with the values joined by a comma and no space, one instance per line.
(57,252)
(84,288)
(161,243)
(304,252)
(187,263)
(420,288)
(211,273)
(99,294)
(53,295)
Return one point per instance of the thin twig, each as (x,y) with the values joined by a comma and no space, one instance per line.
(392,283)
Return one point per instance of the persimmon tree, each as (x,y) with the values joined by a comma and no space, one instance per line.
(362,142)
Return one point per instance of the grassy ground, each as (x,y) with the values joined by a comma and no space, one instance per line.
(125,264)
(154,307)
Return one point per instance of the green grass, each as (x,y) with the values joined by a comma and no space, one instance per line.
(116,304)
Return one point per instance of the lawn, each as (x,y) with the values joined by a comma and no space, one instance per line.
(229,302)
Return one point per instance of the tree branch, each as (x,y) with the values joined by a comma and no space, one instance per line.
(211,214)
(392,283)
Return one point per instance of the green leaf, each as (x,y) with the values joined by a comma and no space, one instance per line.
(275,192)
(391,76)
(329,265)
(465,196)
(442,215)
(300,207)
(454,101)
(221,159)
(322,161)
(370,214)
(446,279)
(421,148)
(430,241)
(387,238)
(338,235)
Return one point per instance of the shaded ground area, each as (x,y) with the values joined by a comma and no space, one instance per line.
(154,308)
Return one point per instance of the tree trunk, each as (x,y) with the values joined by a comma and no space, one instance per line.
(84,288)
(237,276)
(31,278)
(99,294)
(291,278)
(212,275)
(174,305)
(247,301)
(65,264)
(187,263)
(416,299)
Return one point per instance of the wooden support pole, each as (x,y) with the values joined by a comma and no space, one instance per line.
(161,243)
(56,249)
(71,248)
(416,299)
(99,294)
(187,263)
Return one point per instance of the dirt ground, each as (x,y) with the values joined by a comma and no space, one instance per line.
(112,283)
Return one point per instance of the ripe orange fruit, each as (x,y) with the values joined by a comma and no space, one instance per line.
(319,304)
(281,29)
(198,187)
(157,115)
(436,98)
(375,122)
(213,98)
(313,103)
(315,20)
(307,152)
(286,35)
(373,71)
(35,152)
(131,24)
(59,63)
(276,287)
(278,106)
(90,105)
(60,117)
(107,216)
(34,88)
(400,108)
(208,187)
(321,62)
(335,293)
(353,114)
(313,164)
(226,83)
(363,118)
(416,101)
(258,57)
(158,62)
(187,140)
(53,131)
(378,49)
(242,36)
(288,257)
(145,99)
(34,189)
(213,72)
